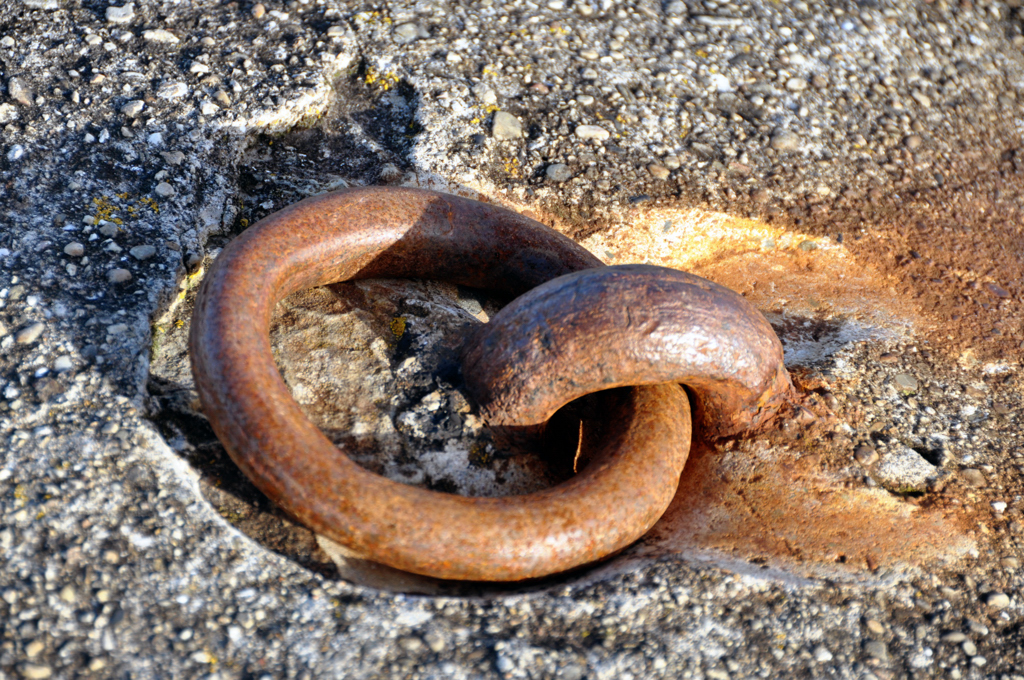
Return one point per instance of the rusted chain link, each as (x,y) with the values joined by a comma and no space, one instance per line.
(380,232)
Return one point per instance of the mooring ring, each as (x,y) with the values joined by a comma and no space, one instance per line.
(410,233)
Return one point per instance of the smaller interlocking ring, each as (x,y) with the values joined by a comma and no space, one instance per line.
(578,327)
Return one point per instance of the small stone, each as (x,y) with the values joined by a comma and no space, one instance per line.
(121,15)
(74,249)
(658,171)
(590,54)
(92,40)
(807,245)
(506,126)
(1010,563)
(164,190)
(969,648)
(33,648)
(119,275)
(876,650)
(998,291)
(336,32)
(558,172)
(905,382)
(30,333)
(258,10)
(974,477)
(208,108)
(42,4)
(410,644)
(822,655)
(785,141)
(173,157)
(159,35)
(32,671)
(172,91)
(875,627)
(954,637)
(19,91)
(921,98)
(16,152)
(8,113)
(62,364)
(997,600)
(865,455)
(594,133)
(110,428)
(143,252)
(434,641)
(999,506)
(109,230)
(504,664)
(406,33)
(222,98)
(133,108)
(796,84)
(904,470)
(913,142)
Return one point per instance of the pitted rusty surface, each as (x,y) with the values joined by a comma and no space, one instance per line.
(627,325)
(375,232)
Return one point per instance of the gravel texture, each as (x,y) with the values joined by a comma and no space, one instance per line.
(874,146)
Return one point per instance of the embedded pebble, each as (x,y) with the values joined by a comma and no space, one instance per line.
(558,172)
(786,141)
(172,91)
(173,157)
(35,672)
(74,249)
(594,133)
(119,275)
(876,649)
(658,171)
(905,382)
(998,291)
(133,108)
(121,15)
(62,363)
(796,84)
(997,600)
(865,455)
(160,36)
(30,333)
(506,126)
(143,252)
(258,10)
(974,477)
(164,190)
(406,33)
(19,91)
(875,627)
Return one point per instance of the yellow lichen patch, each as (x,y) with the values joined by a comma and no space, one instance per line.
(383,80)
(398,327)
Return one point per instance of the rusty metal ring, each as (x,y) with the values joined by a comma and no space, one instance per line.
(377,232)
(631,324)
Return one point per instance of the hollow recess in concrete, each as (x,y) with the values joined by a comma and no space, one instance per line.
(374,364)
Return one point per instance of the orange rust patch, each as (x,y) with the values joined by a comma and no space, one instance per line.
(779,505)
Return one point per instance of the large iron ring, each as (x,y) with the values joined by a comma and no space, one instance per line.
(377,232)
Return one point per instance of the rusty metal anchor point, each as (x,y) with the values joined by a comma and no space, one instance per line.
(578,327)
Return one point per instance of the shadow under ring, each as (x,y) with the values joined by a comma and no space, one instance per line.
(411,233)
